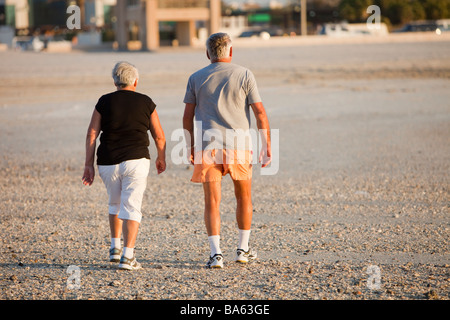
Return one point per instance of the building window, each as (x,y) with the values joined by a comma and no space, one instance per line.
(183,3)
(133,3)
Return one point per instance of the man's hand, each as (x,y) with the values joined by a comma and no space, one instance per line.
(188,126)
(265,157)
(88,175)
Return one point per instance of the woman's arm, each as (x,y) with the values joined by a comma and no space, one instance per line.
(91,137)
(160,141)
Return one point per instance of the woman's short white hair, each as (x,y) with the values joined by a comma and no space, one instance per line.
(124,74)
(218,45)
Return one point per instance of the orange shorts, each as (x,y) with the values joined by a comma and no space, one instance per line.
(216,163)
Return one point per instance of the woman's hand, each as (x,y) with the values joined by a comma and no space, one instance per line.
(88,175)
(160,165)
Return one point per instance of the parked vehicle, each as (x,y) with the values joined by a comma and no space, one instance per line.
(437,26)
(352,29)
(28,43)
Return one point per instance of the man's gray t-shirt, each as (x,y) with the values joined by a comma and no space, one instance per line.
(222,93)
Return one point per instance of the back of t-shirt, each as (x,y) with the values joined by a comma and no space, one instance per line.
(124,125)
(222,93)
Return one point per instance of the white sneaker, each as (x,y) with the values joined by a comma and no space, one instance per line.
(245,256)
(114,254)
(129,264)
(215,261)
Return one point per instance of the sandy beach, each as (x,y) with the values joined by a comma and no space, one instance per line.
(362,183)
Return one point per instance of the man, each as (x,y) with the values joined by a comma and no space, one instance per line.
(123,158)
(219,96)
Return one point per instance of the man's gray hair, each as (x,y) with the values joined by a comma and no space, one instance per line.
(124,74)
(218,45)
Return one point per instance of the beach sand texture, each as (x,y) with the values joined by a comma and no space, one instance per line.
(363,179)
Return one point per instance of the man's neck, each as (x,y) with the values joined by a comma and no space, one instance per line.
(228,60)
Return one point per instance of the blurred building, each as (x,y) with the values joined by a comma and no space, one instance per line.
(138,21)
(34,14)
(234,25)
(97,13)
(15,13)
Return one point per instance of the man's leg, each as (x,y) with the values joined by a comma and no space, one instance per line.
(244,208)
(244,214)
(212,191)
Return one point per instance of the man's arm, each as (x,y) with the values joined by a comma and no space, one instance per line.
(91,137)
(188,125)
(262,122)
(160,141)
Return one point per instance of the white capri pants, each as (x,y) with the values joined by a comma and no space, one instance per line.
(125,183)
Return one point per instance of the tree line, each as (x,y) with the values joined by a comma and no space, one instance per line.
(395,12)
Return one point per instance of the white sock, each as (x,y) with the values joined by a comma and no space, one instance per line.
(214,244)
(115,243)
(128,252)
(244,236)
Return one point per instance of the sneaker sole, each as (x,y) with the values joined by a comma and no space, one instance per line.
(217,266)
(246,261)
(218,261)
(114,259)
(128,267)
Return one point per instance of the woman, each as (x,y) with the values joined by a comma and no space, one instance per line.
(124,118)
